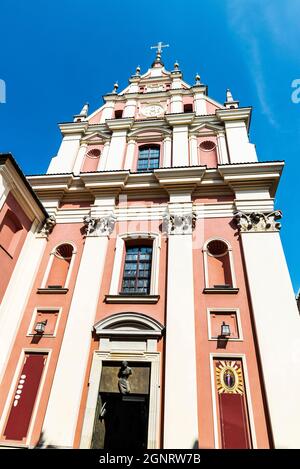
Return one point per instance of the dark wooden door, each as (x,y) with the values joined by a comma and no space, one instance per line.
(124,424)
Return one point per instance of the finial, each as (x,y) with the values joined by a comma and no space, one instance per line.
(176,65)
(83,114)
(116,86)
(230,103)
(229,98)
(84,111)
(138,70)
(197,79)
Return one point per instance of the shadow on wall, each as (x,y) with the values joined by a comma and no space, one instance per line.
(41,444)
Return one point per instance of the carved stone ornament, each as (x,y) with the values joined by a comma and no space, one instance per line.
(258,222)
(179,223)
(102,226)
(48,226)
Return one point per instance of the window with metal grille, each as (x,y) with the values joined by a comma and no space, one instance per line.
(137,270)
(148,158)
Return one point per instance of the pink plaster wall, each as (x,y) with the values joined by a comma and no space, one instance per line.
(61,233)
(9,255)
(206,229)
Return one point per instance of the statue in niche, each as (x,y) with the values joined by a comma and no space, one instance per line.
(124,372)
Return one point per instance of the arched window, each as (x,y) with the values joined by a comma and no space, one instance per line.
(10,232)
(218,265)
(59,267)
(91,160)
(148,158)
(208,154)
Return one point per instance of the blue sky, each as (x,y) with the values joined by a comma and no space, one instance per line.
(57,55)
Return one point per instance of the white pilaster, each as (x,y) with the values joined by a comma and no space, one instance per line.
(200,104)
(222,148)
(194,161)
(176,103)
(116,150)
(67,153)
(18,291)
(129,159)
(180,145)
(107,112)
(240,150)
(167,163)
(180,366)
(103,157)
(80,159)
(66,392)
(130,107)
(277,325)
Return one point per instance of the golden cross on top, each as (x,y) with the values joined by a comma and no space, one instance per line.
(159,47)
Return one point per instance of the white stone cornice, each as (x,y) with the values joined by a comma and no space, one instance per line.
(106,181)
(248,176)
(119,124)
(180,119)
(67,128)
(180,178)
(199,89)
(57,181)
(258,221)
(238,114)
(21,193)
(258,204)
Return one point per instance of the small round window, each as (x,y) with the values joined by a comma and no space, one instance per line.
(64,251)
(94,153)
(217,248)
(207,145)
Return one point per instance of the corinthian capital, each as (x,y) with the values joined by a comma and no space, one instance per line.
(102,226)
(179,223)
(258,222)
(47,227)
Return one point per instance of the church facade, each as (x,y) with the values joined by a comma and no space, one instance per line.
(145,297)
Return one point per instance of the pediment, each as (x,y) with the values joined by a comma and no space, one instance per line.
(150,131)
(206,128)
(128,324)
(96,137)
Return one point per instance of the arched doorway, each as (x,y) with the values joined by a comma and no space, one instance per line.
(115,420)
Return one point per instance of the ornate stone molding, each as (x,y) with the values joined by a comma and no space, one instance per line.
(179,223)
(47,227)
(102,226)
(258,222)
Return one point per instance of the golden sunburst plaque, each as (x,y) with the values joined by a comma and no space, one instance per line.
(229,377)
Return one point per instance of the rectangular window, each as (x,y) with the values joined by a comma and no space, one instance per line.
(148,158)
(137,270)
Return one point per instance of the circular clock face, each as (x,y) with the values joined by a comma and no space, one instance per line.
(153,110)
